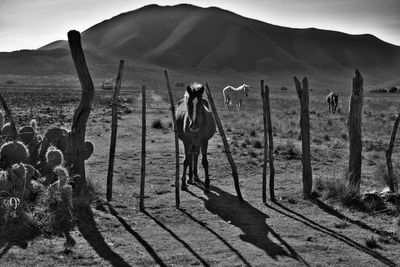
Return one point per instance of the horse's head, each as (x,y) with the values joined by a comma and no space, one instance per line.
(246,89)
(194,105)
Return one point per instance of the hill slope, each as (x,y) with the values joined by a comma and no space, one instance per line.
(189,37)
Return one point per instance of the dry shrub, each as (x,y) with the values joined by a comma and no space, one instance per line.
(257,144)
(371,242)
(342,224)
(381,173)
(157,124)
(288,150)
(338,144)
(335,189)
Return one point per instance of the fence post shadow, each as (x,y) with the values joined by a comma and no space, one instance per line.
(186,245)
(88,228)
(310,223)
(144,243)
(250,220)
(332,211)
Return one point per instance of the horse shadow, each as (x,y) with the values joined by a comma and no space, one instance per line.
(250,220)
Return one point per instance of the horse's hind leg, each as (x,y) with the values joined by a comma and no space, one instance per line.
(196,152)
(204,161)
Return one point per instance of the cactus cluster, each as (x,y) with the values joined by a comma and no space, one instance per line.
(46,156)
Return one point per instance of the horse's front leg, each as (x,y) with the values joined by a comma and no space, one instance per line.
(196,152)
(186,163)
(204,161)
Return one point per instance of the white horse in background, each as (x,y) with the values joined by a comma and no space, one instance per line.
(234,96)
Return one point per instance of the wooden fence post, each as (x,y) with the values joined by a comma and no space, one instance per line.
(14,130)
(264,174)
(226,146)
(75,151)
(303,94)
(393,184)
(114,127)
(171,98)
(271,147)
(143,168)
(354,124)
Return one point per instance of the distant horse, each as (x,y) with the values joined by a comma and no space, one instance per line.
(332,99)
(195,126)
(234,96)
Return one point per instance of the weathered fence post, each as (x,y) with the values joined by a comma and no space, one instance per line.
(354,124)
(226,146)
(271,147)
(143,168)
(393,185)
(14,130)
(114,127)
(75,151)
(264,174)
(303,94)
(171,98)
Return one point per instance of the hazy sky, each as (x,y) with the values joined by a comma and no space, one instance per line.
(30,24)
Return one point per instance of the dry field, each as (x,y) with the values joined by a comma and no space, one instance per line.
(215,229)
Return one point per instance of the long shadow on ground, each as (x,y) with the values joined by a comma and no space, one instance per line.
(146,245)
(186,245)
(88,228)
(250,220)
(310,223)
(240,256)
(325,207)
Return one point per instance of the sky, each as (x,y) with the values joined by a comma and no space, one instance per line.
(30,24)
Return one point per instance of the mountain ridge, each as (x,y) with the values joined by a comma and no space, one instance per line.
(189,37)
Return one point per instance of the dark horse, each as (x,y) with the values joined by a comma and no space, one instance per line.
(332,99)
(195,126)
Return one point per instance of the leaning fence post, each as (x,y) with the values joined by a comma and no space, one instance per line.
(114,126)
(303,94)
(226,146)
(171,98)
(271,147)
(392,180)
(143,168)
(264,174)
(354,124)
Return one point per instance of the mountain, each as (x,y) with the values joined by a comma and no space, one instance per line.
(188,37)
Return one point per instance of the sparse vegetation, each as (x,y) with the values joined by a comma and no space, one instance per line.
(157,124)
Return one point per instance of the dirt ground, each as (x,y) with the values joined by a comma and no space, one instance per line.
(215,229)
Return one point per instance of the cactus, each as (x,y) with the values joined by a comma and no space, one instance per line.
(54,157)
(13,152)
(20,181)
(62,187)
(89,148)
(62,174)
(33,124)
(27,134)
(6,132)
(57,137)
(5,185)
